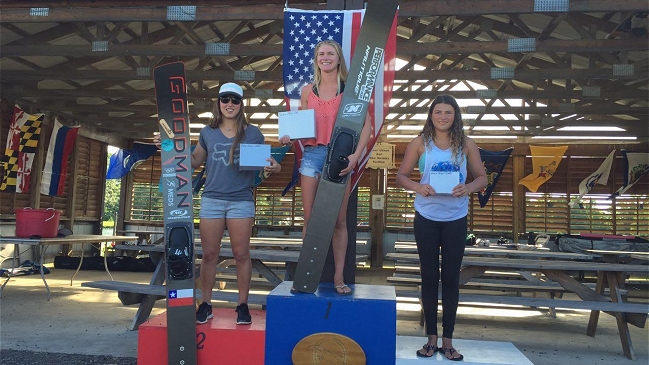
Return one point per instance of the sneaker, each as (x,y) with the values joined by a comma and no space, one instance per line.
(243,314)
(204,313)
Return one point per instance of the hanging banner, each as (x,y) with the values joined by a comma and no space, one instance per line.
(636,165)
(600,176)
(22,141)
(494,162)
(545,161)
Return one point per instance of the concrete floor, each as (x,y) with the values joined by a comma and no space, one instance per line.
(90,321)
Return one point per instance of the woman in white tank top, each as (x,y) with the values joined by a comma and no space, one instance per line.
(445,156)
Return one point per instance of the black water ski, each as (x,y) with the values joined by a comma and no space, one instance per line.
(173,117)
(364,68)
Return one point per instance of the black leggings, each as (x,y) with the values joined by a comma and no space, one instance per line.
(451,238)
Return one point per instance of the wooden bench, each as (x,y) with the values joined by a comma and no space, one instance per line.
(608,307)
(159,291)
(490,284)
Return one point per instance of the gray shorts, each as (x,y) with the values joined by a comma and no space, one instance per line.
(219,209)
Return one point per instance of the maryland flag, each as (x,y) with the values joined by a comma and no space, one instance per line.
(494,162)
(22,140)
(637,165)
(545,161)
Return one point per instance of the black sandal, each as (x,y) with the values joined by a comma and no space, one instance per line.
(451,351)
(428,348)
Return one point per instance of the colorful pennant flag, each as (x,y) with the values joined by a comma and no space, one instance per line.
(545,161)
(303,29)
(124,161)
(55,171)
(636,165)
(494,162)
(600,176)
(22,140)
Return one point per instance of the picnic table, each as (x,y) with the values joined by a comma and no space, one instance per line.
(611,279)
(44,243)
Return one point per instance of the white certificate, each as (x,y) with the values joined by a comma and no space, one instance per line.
(297,124)
(253,156)
(444,181)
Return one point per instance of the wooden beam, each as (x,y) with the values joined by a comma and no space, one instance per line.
(147,110)
(525,74)
(89,91)
(28,91)
(61,11)
(404,48)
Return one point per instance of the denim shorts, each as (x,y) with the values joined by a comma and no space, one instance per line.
(220,209)
(313,160)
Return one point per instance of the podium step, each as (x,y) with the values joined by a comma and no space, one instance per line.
(220,338)
(475,352)
(364,322)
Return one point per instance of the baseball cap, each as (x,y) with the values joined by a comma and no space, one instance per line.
(231,88)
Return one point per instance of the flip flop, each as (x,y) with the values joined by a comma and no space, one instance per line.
(340,289)
(450,351)
(427,348)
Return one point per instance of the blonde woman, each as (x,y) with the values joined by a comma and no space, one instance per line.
(324,95)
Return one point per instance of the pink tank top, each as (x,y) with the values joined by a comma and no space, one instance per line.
(325,118)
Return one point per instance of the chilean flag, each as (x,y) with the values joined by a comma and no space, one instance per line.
(180,297)
(55,171)
(303,29)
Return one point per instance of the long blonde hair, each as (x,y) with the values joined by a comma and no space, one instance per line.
(242,122)
(342,68)
(456,133)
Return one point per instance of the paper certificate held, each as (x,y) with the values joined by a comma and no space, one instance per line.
(444,181)
(253,156)
(297,124)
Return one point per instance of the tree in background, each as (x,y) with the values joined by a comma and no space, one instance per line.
(111,197)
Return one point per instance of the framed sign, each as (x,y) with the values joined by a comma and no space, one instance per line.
(382,156)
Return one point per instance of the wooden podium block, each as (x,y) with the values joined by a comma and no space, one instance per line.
(219,341)
(368,317)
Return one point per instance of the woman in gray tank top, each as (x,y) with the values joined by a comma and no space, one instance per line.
(227,200)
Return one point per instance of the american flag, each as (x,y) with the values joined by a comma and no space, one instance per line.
(303,30)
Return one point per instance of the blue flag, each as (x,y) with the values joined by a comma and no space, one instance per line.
(494,162)
(124,161)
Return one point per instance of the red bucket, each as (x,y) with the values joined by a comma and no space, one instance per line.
(37,222)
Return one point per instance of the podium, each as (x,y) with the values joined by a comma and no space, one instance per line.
(368,317)
(219,341)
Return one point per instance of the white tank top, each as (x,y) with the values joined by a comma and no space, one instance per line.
(441,207)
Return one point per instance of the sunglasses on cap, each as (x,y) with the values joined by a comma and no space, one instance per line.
(227,99)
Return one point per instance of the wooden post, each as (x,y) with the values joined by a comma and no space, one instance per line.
(37,168)
(518,218)
(377,218)
(72,194)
